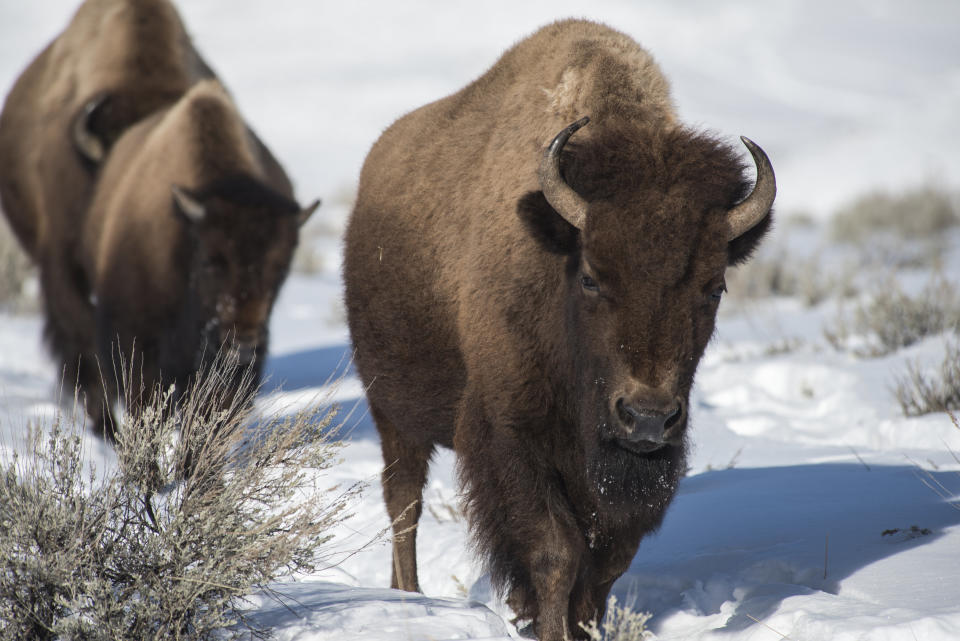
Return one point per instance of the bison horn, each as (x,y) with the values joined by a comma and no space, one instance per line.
(306,212)
(191,208)
(754,207)
(86,142)
(568,203)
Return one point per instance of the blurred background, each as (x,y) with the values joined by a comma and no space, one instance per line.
(846,96)
(856,102)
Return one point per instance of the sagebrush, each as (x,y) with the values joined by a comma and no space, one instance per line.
(200,511)
(892,319)
(15,268)
(923,212)
(619,624)
(921,392)
(777,273)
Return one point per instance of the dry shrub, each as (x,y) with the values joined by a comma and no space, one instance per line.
(310,258)
(779,274)
(920,393)
(307,259)
(202,510)
(619,624)
(893,319)
(925,212)
(344,196)
(798,219)
(15,268)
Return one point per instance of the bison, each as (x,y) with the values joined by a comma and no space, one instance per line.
(540,305)
(116,62)
(187,241)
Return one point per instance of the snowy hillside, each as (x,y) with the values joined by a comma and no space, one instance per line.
(844,96)
(813,508)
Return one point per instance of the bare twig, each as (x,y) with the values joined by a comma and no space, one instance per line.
(756,620)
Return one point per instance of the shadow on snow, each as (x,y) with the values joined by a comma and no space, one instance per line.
(321,368)
(758,536)
(309,368)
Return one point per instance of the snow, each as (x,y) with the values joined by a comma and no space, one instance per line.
(802,459)
(334,611)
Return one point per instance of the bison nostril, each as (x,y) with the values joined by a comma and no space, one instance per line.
(674,418)
(625,415)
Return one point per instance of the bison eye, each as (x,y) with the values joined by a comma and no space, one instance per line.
(717,293)
(589,284)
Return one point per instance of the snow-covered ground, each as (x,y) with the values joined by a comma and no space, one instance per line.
(797,517)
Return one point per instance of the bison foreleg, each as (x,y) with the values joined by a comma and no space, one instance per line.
(520,517)
(70,331)
(553,565)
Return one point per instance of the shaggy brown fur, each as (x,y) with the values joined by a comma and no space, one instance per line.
(484,321)
(126,58)
(178,275)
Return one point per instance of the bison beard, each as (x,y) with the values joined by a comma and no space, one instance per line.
(616,498)
(539,301)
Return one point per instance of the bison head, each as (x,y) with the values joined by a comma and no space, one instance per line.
(645,223)
(241,240)
(102,119)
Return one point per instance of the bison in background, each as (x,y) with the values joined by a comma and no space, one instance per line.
(543,311)
(162,226)
(115,62)
(186,243)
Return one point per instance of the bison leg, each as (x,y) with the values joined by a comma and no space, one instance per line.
(590,602)
(553,571)
(519,515)
(99,401)
(590,598)
(70,330)
(404,475)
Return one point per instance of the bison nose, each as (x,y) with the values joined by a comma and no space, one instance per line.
(646,425)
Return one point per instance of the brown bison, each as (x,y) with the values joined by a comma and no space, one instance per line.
(186,243)
(541,307)
(116,62)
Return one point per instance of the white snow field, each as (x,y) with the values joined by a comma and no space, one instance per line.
(813,509)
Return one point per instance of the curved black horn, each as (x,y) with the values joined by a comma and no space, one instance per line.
(754,207)
(86,142)
(558,193)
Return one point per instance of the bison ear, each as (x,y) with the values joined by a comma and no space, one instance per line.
(742,247)
(552,232)
(187,205)
(305,213)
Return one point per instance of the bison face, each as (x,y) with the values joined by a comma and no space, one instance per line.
(645,230)
(642,299)
(242,236)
